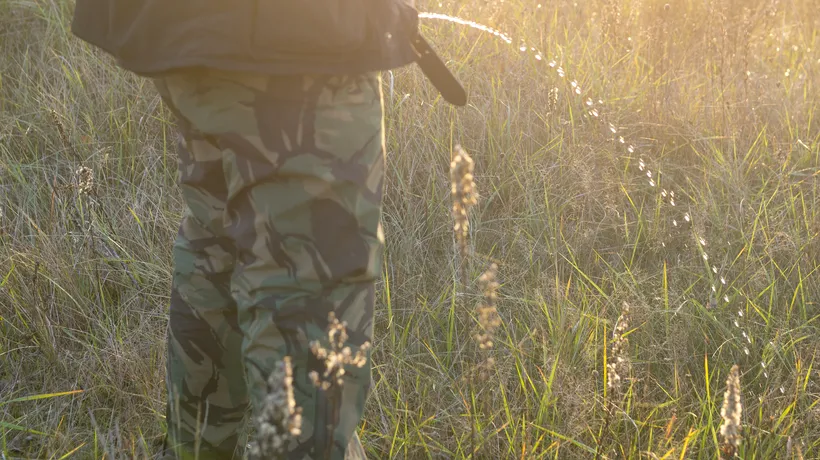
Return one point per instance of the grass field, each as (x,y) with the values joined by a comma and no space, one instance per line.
(660,156)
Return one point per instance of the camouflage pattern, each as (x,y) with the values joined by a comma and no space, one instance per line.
(282,177)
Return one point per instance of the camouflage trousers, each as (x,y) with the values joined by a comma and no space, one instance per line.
(282,177)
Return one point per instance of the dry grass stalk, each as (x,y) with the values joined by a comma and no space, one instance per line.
(618,365)
(731,412)
(336,356)
(85,180)
(552,100)
(464,197)
(488,319)
(617,368)
(60,127)
(488,322)
(280,420)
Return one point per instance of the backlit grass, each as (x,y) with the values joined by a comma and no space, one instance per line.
(663,156)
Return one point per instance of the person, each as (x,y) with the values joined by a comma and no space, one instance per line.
(281,163)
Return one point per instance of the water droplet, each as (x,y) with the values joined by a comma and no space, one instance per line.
(589,102)
(714,289)
(736,325)
(523,48)
(672,202)
(740,313)
(726,298)
(766,374)
(648,173)
(702,241)
(705,256)
(621,139)
(722,280)
(745,350)
(714,269)
(782,390)
(537,57)
(674,222)
(664,193)
(630,149)
(651,183)
(612,128)
(686,217)
(641,164)
(763,364)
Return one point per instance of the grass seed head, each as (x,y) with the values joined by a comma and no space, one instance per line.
(552,100)
(731,413)
(618,365)
(488,319)
(280,420)
(60,127)
(85,180)
(336,356)
(464,196)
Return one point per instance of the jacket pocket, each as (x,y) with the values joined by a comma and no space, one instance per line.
(310,26)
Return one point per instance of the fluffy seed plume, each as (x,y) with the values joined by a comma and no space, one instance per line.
(464,196)
(731,412)
(336,356)
(618,363)
(280,420)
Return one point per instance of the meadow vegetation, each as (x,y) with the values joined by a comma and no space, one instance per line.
(647,184)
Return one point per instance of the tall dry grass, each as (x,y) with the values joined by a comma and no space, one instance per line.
(704,219)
